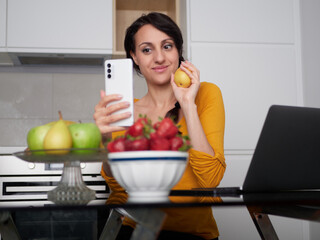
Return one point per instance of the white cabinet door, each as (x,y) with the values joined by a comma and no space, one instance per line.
(66,26)
(251,79)
(246,21)
(3,23)
(250,50)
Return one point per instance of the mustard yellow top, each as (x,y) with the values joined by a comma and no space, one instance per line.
(202,171)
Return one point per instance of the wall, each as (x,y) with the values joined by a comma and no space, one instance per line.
(31,96)
(310,39)
(252,51)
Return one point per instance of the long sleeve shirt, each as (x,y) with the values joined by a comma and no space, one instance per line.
(202,171)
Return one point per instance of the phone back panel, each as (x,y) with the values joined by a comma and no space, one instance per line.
(119,80)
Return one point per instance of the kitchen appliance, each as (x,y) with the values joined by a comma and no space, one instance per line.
(25,183)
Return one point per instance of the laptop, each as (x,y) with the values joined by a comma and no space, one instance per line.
(287,155)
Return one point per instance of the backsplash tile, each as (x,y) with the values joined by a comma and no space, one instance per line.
(25,95)
(31,97)
(76,94)
(14,131)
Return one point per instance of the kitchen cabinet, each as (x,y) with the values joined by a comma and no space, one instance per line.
(251,50)
(59,26)
(249,21)
(3,24)
(4,57)
(126,11)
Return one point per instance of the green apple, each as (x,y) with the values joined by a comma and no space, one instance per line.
(85,135)
(36,137)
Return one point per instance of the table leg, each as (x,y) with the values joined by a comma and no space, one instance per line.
(149,223)
(112,226)
(8,229)
(263,224)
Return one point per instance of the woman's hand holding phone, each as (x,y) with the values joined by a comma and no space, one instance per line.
(105,113)
(114,112)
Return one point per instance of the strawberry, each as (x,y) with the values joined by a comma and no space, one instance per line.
(136,129)
(153,135)
(167,128)
(117,145)
(142,127)
(159,143)
(175,143)
(143,119)
(142,135)
(128,144)
(140,144)
(156,125)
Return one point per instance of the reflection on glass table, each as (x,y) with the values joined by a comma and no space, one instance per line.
(150,216)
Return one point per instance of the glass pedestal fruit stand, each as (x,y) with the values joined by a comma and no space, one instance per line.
(71,190)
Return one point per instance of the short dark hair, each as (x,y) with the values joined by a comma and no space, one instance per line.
(160,21)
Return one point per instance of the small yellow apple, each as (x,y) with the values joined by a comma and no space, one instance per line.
(182,79)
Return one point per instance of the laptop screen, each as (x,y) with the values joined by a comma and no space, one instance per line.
(287,155)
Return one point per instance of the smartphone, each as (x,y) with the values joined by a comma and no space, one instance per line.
(119,80)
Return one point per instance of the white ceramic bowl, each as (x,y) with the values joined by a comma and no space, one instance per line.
(148,176)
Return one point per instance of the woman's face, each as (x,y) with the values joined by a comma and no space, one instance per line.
(156,54)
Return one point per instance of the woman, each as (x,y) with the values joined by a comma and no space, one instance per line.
(154,43)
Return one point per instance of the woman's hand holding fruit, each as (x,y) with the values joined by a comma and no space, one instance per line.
(186,93)
(186,97)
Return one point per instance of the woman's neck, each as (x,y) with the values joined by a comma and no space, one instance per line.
(160,96)
(156,103)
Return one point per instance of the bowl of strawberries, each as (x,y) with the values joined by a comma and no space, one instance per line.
(149,159)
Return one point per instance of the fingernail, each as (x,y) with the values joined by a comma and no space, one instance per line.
(119,96)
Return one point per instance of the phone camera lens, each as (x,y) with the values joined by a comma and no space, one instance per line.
(109,65)
(109,75)
(109,70)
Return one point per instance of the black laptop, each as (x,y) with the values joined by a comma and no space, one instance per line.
(287,155)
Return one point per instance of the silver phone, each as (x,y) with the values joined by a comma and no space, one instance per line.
(119,80)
